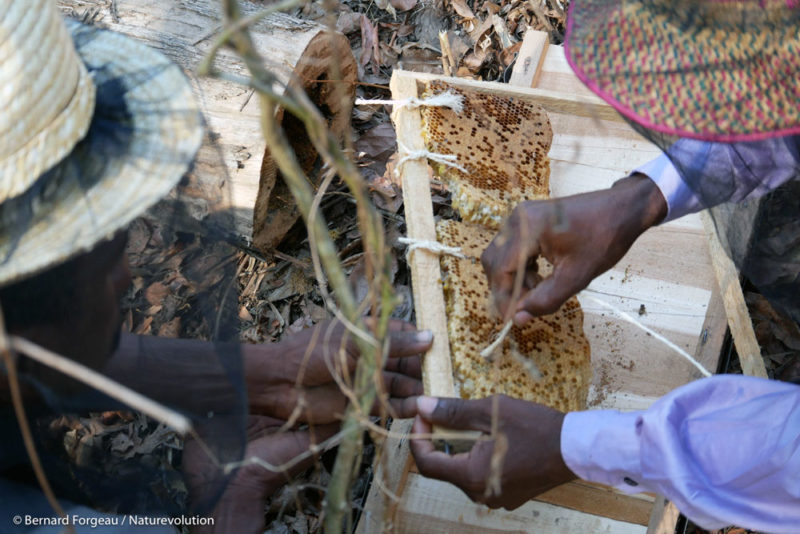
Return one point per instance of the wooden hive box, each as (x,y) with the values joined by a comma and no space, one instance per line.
(668,271)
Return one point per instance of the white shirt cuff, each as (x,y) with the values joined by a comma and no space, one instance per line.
(680,199)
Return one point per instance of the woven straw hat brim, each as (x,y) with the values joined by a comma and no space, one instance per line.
(56,116)
(709,70)
(89,195)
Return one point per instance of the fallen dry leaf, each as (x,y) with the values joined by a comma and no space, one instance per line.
(403,5)
(405,30)
(245,315)
(155,293)
(475,60)
(292,282)
(508,55)
(378,142)
(480,31)
(121,443)
(490,7)
(385,194)
(500,29)
(171,328)
(421,59)
(459,46)
(370,53)
(463,10)
(348,22)
(144,327)
(386,6)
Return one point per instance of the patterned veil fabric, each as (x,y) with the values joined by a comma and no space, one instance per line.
(716,85)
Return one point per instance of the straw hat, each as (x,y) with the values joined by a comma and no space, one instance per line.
(705,69)
(94,129)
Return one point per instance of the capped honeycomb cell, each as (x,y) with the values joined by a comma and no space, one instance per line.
(555,343)
(501,142)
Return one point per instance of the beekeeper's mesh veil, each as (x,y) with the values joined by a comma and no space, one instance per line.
(715,86)
(762,233)
(95,450)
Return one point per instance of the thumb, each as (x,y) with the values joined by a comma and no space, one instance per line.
(457,414)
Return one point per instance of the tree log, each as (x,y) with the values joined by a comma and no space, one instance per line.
(234,172)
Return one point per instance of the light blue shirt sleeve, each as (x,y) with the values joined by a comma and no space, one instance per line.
(754,169)
(725,450)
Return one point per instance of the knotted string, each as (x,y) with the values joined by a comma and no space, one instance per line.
(447,99)
(444,159)
(431,246)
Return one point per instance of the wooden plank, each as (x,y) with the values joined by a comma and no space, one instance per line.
(388,483)
(437,370)
(664,518)
(557,75)
(735,307)
(436,507)
(713,333)
(528,65)
(596,499)
(551,101)
(601,501)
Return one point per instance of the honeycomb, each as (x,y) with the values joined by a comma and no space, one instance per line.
(554,343)
(501,142)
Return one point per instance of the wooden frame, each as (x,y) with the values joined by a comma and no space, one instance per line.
(592,147)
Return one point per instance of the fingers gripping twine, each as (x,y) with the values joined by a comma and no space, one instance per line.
(448,99)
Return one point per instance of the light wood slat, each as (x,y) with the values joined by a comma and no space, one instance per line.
(601,501)
(551,101)
(528,66)
(664,518)
(391,473)
(426,275)
(739,322)
(433,507)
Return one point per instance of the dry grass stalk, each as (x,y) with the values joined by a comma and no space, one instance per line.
(9,361)
(372,346)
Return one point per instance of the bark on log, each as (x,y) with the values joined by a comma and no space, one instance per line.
(234,171)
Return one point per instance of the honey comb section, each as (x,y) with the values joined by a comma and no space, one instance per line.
(554,343)
(501,142)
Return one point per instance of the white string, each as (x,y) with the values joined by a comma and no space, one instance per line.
(653,333)
(431,246)
(447,99)
(527,363)
(444,159)
(496,343)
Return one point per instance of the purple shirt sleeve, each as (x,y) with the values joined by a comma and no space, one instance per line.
(754,168)
(680,199)
(725,450)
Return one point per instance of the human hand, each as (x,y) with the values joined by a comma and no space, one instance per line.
(240,509)
(582,236)
(300,371)
(527,445)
